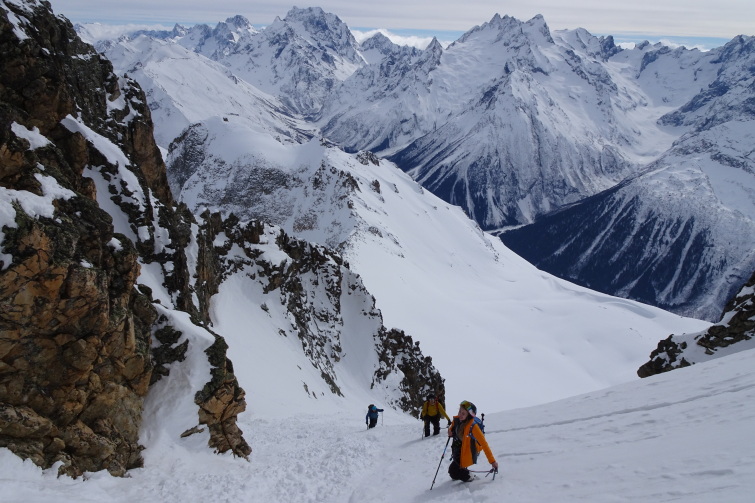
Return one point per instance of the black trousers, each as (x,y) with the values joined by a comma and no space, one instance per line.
(457,472)
(436,424)
(373,422)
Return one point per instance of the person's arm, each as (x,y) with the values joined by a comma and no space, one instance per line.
(480,437)
(443,412)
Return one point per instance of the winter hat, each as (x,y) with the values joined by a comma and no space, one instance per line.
(470,407)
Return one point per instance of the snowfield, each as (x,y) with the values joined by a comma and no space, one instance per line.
(682,436)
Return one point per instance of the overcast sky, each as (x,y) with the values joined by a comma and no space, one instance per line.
(652,19)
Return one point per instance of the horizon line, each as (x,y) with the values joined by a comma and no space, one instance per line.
(449,36)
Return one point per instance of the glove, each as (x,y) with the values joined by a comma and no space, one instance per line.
(448,425)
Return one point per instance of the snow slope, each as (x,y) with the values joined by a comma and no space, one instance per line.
(432,271)
(184,87)
(682,436)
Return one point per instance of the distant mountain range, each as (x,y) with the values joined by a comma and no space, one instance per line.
(679,234)
(626,170)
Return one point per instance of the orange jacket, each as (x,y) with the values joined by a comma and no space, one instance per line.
(469,429)
(430,409)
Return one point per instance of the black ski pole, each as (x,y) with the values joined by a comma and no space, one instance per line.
(439,462)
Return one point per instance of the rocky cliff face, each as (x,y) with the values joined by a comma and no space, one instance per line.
(312,285)
(733,333)
(76,331)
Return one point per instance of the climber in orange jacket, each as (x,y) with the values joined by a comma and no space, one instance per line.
(468,439)
(432,411)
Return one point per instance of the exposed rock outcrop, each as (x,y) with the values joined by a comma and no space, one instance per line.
(737,325)
(311,283)
(75,328)
(399,350)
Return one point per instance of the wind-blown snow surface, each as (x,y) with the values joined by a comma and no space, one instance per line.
(681,436)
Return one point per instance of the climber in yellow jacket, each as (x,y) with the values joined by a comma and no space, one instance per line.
(468,439)
(432,410)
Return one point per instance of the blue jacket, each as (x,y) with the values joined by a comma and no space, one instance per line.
(372,413)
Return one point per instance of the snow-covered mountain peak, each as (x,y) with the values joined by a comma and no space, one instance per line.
(234,29)
(178,30)
(216,42)
(511,30)
(496,26)
(326,31)
(429,59)
(729,97)
(583,42)
(316,21)
(239,22)
(537,26)
(434,47)
(379,47)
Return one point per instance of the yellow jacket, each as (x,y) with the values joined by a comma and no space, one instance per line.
(433,409)
(470,429)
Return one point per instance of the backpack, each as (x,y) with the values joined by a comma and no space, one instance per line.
(474,445)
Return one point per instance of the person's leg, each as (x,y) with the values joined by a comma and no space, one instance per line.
(373,422)
(436,424)
(456,472)
(427,426)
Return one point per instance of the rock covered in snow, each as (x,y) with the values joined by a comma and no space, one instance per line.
(309,293)
(733,333)
(86,209)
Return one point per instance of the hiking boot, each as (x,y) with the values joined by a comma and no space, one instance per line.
(472,476)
